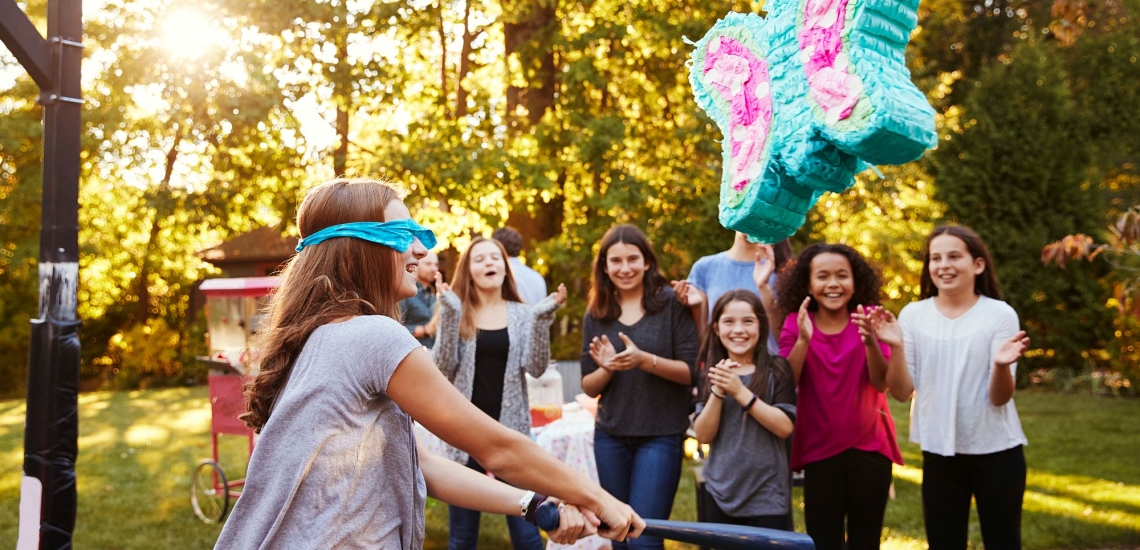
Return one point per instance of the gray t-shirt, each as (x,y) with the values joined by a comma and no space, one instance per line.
(747,471)
(336,464)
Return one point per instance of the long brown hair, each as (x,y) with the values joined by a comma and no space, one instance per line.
(464,286)
(604,304)
(985,284)
(335,279)
(713,350)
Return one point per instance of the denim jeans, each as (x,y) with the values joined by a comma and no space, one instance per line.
(464,526)
(642,472)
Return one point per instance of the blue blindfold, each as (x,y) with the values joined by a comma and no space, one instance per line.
(397,234)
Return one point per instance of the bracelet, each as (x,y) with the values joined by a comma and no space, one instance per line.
(751,402)
(654,362)
(530,513)
(718,396)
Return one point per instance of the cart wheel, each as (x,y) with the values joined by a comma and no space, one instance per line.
(209,494)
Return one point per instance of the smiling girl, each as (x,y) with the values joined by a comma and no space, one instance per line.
(962,345)
(845,437)
(488,341)
(639,346)
(749,410)
(340,382)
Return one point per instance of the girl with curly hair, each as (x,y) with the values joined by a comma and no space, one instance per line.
(337,465)
(845,437)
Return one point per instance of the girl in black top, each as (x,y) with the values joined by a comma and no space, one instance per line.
(639,346)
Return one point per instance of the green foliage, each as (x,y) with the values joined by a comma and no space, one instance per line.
(560,118)
(1012,165)
(21,160)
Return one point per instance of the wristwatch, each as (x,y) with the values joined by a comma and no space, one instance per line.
(525,501)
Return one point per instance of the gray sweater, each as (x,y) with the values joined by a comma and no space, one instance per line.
(529,332)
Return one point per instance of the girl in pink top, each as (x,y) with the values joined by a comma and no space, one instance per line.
(845,437)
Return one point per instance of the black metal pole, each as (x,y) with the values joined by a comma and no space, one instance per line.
(48,491)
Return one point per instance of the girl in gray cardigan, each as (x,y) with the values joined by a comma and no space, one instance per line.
(487,340)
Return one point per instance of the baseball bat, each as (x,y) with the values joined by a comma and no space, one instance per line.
(710,535)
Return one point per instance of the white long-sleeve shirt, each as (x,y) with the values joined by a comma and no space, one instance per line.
(950,361)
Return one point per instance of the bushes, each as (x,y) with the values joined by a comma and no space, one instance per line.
(1013,167)
(153,354)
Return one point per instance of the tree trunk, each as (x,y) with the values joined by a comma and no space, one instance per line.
(342,95)
(530,37)
(464,63)
(443,62)
(161,209)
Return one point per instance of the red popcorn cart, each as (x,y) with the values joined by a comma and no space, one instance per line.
(235,311)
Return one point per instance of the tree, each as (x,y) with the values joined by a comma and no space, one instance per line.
(1122,253)
(189,140)
(21,178)
(1012,165)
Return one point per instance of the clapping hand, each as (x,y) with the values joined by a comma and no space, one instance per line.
(1011,350)
(602,352)
(631,358)
(803,321)
(724,378)
(687,293)
(765,266)
(876,324)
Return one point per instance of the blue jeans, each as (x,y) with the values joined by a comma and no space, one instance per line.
(642,472)
(464,526)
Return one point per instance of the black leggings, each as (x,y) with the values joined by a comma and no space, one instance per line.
(997,483)
(854,485)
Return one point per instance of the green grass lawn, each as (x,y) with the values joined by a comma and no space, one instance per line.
(138,449)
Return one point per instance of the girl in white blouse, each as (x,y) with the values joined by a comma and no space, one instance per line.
(962,344)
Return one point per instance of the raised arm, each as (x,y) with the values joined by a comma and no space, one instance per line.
(707,424)
(761,276)
(543,312)
(725,380)
(691,295)
(445,352)
(878,326)
(596,355)
(1002,383)
(794,340)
